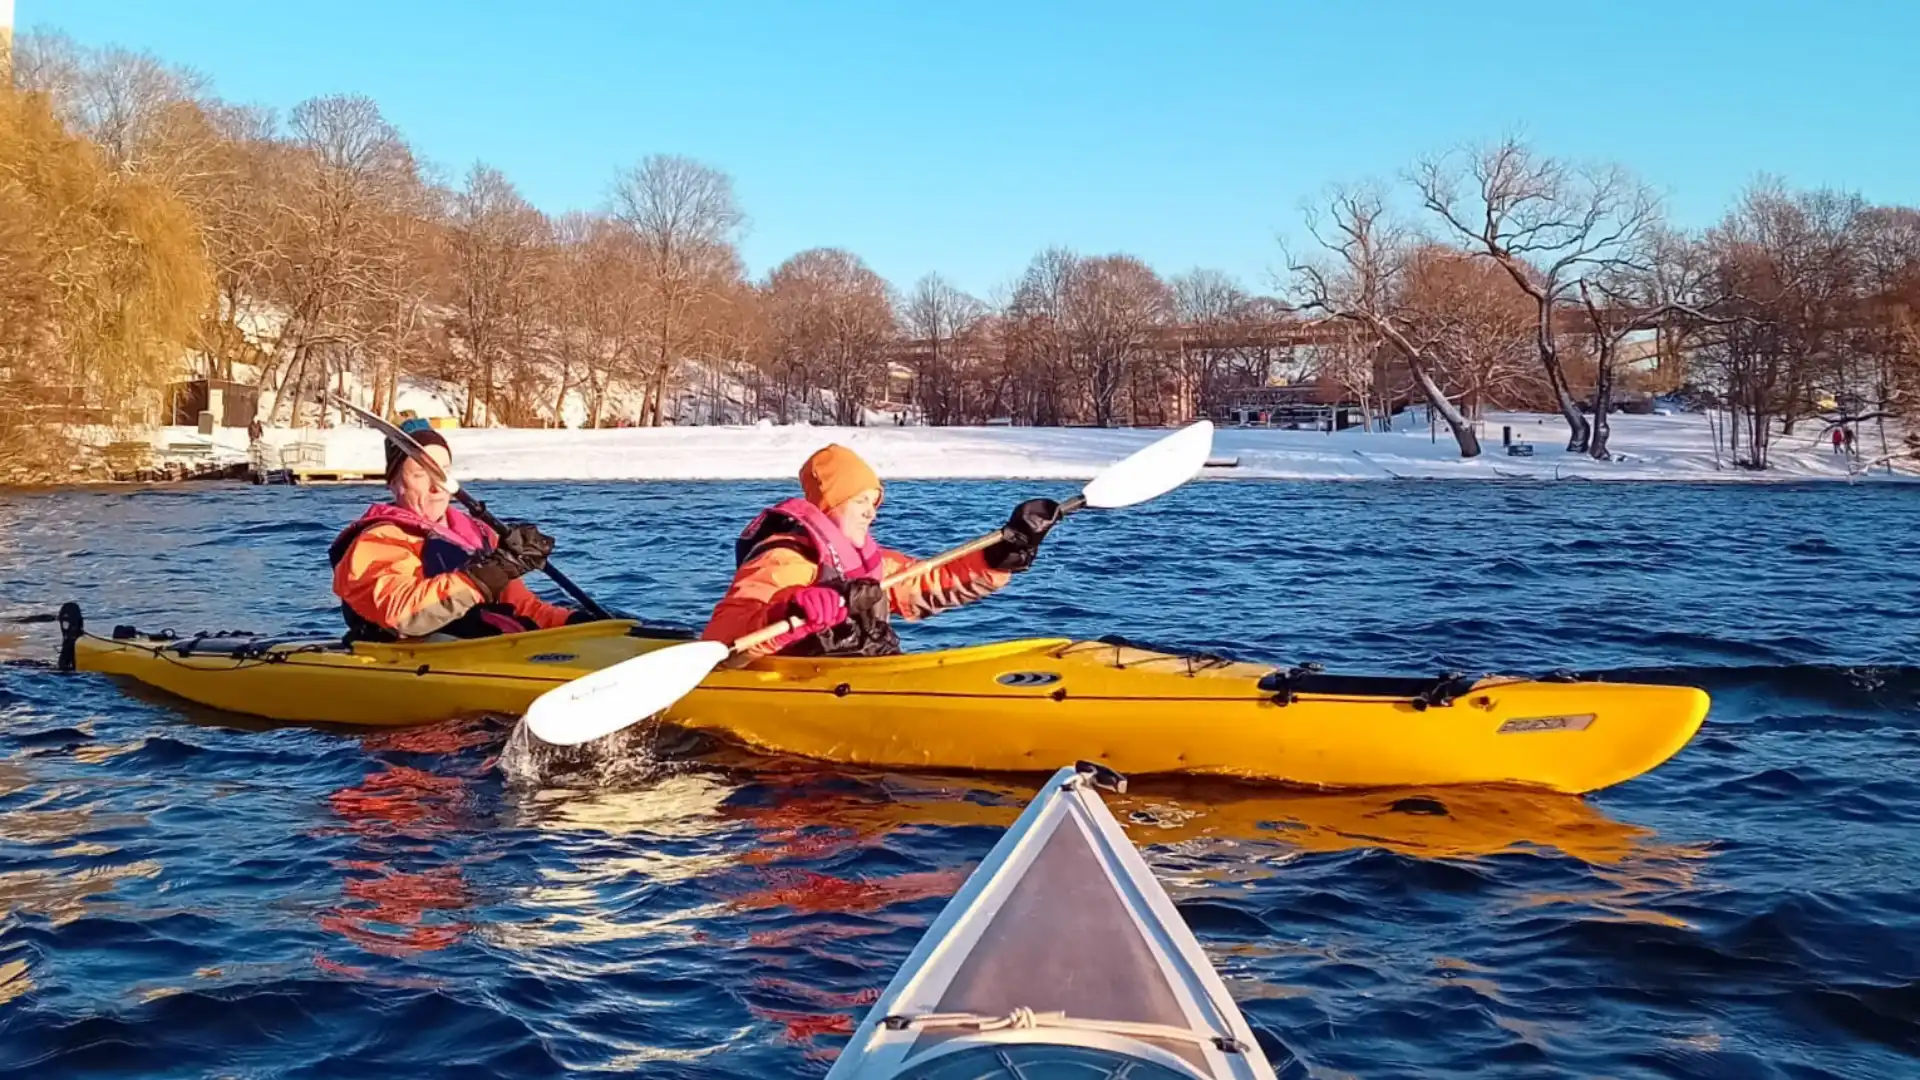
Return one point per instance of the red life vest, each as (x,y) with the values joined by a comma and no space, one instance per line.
(447,547)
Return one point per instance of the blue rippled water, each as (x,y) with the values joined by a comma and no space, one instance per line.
(188,894)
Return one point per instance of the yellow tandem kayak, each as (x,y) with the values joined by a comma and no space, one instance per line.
(1014,706)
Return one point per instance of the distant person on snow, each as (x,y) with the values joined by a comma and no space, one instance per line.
(816,558)
(1837,437)
(416,566)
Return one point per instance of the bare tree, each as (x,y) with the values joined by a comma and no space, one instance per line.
(352,182)
(1482,329)
(833,327)
(122,101)
(946,322)
(1785,268)
(157,122)
(498,243)
(1113,303)
(603,309)
(1038,339)
(1889,318)
(1211,311)
(1352,362)
(1546,223)
(1364,282)
(1622,300)
(685,216)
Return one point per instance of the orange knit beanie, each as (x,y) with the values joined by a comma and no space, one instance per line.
(835,474)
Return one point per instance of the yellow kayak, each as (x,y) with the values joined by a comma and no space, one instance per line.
(1014,706)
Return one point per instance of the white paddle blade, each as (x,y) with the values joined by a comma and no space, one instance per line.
(405,442)
(626,693)
(1153,470)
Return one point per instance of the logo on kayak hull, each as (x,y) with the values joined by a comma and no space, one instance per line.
(552,657)
(1029,678)
(1546,723)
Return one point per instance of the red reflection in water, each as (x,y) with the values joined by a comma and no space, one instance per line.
(334,967)
(806,937)
(813,995)
(450,737)
(389,906)
(807,891)
(397,901)
(801,825)
(803,1027)
(400,800)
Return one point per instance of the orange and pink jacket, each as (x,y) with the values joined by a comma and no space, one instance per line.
(769,573)
(399,571)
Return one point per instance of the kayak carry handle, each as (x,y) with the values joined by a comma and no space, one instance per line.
(1100,776)
(72,625)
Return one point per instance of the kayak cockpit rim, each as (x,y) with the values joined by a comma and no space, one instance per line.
(1125,1052)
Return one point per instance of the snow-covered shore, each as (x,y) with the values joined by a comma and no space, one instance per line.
(1679,447)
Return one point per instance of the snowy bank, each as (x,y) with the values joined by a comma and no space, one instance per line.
(1649,447)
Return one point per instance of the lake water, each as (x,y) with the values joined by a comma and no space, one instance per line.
(184,894)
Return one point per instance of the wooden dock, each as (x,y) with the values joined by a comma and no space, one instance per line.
(308,476)
(305,475)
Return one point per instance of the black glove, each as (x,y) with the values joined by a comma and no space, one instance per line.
(579,617)
(522,550)
(1021,536)
(866,600)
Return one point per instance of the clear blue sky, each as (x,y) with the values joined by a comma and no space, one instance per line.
(965,137)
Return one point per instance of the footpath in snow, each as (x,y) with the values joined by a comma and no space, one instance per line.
(1676,447)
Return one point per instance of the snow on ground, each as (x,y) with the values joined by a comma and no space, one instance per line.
(1651,448)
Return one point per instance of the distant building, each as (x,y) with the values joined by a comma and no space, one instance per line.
(232,404)
(1316,406)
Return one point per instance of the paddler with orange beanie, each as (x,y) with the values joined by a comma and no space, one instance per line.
(815,557)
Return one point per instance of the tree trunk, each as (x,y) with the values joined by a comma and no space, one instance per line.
(661,386)
(487,375)
(647,403)
(560,399)
(1602,401)
(1579,432)
(1462,431)
(594,396)
(297,375)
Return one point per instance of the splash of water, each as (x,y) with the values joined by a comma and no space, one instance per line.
(628,756)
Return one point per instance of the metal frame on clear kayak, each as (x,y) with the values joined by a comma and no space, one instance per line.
(1059,956)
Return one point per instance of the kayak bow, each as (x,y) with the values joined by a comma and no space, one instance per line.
(1061,956)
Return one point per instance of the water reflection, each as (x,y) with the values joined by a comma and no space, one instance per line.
(55,862)
(602,852)
(401,896)
(819,814)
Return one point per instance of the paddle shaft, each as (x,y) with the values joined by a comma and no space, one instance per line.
(474,506)
(899,577)
(587,603)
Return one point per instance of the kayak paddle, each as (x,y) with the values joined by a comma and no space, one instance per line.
(604,701)
(474,506)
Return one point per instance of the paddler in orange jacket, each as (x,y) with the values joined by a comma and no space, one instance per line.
(816,558)
(417,566)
